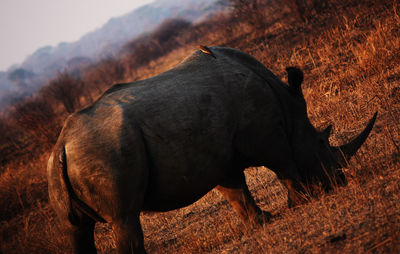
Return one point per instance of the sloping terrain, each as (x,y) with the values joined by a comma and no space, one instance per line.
(350,53)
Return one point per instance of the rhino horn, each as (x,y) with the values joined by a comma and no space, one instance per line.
(348,150)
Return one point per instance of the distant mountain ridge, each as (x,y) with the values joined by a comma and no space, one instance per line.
(117,31)
(108,39)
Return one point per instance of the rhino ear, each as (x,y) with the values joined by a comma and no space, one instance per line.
(295,78)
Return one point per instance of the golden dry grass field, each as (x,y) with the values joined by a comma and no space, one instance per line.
(350,54)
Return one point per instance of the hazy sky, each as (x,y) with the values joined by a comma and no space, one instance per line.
(26,25)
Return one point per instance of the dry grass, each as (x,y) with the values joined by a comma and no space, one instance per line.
(351,64)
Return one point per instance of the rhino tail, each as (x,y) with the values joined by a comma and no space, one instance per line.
(295,78)
(74,203)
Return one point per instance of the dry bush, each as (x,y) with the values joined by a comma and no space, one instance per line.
(27,223)
(11,140)
(33,123)
(154,45)
(17,194)
(306,9)
(251,12)
(38,120)
(169,30)
(101,76)
(213,31)
(64,89)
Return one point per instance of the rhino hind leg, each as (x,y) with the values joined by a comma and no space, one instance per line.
(129,235)
(80,235)
(235,190)
(132,185)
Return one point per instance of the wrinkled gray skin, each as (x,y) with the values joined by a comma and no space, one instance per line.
(163,143)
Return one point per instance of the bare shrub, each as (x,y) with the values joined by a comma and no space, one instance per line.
(170,29)
(306,9)
(65,89)
(10,139)
(211,31)
(251,12)
(102,75)
(152,46)
(38,119)
(26,220)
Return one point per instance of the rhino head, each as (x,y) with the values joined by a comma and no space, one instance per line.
(318,162)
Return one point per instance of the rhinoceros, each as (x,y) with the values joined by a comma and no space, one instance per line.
(162,143)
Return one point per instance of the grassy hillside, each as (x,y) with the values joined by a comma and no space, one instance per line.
(349,52)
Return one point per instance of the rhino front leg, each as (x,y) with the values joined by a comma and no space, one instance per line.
(235,190)
(295,196)
(289,176)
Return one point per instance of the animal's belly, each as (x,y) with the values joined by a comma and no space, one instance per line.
(182,172)
(162,204)
(178,192)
